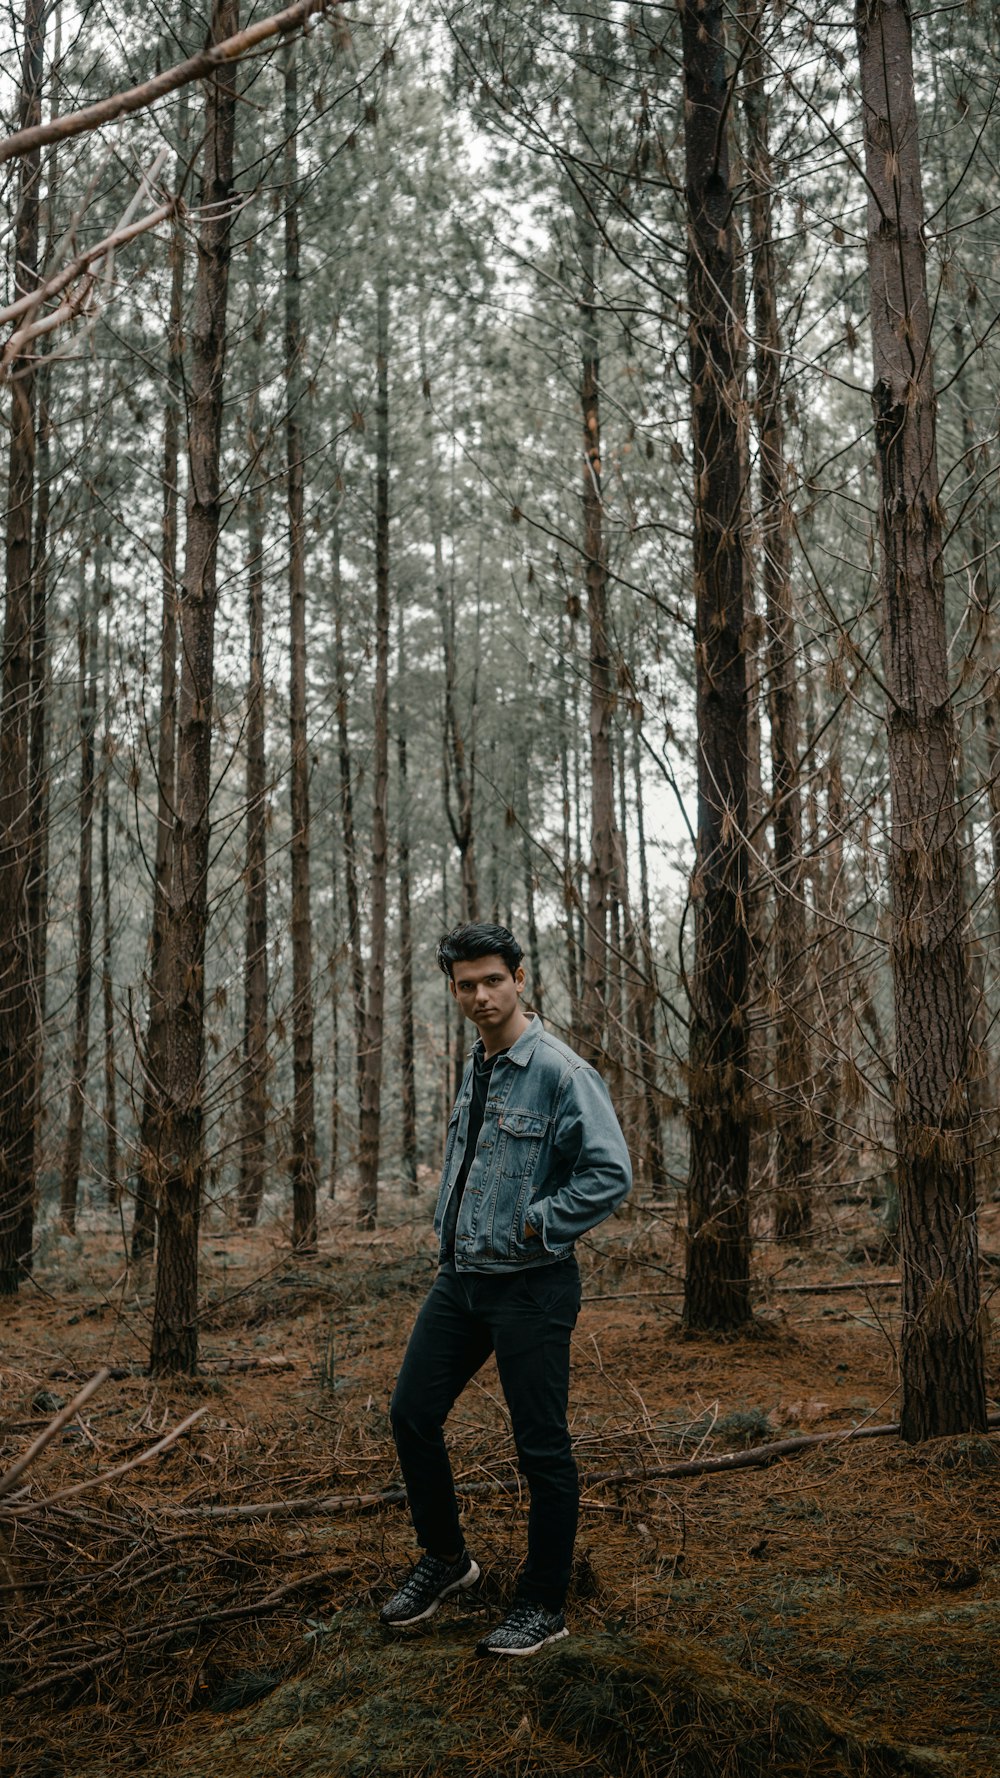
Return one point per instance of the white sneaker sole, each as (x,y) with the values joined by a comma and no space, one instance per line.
(467,1580)
(556,1636)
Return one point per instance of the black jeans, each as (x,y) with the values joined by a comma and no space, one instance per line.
(526,1318)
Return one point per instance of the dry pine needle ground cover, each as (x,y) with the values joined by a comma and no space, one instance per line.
(832,1613)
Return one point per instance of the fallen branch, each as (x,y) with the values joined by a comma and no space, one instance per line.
(862,1285)
(757,1457)
(109,1475)
(55,1425)
(208,1367)
(138,1643)
(137,98)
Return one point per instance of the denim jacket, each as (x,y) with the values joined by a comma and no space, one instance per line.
(550,1151)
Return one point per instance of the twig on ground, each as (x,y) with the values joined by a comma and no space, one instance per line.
(55,1425)
(140,1643)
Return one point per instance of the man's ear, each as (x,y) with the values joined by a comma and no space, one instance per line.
(451,988)
(519,980)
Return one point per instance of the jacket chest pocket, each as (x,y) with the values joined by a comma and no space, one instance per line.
(452,1133)
(523,1133)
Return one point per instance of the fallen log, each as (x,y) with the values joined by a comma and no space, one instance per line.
(207,1367)
(757,1457)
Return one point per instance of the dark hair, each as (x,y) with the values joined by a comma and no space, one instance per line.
(466,942)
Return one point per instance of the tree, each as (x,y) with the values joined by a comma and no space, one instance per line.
(87,622)
(253,1147)
(174,1337)
(717,1280)
(941,1355)
(151,1130)
(370,1081)
(18,1005)
(793,1207)
(303,1103)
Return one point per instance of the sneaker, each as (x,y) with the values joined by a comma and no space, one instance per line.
(526,1628)
(427,1583)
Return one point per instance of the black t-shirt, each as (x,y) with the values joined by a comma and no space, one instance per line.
(482,1069)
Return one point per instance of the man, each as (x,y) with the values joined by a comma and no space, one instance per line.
(534,1159)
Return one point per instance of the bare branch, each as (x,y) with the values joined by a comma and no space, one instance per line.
(55,1425)
(138,98)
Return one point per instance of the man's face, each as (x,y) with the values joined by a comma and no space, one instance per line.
(486,991)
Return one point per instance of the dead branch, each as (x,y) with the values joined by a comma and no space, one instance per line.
(862,1285)
(109,1475)
(208,1367)
(137,98)
(757,1457)
(84,267)
(120,237)
(55,1425)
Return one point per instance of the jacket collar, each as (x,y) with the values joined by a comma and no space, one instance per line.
(520,1052)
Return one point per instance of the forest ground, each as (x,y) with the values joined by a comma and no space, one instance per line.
(835,1612)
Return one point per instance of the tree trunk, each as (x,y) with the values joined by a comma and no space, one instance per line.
(569,895)
(717,1281)
(18,1007)
(174,1342)
(941,1353)
(111,1168)
(793,1202)
(303,1109)
(374,1035)
(594,1039)
(38,880)
(537,996)
(407,1071)
(459,761)
(834,969)
(253,1143)
(646,1021)
(347,808)
(633,983)
(86,652)
(335,1107)
(151,1133)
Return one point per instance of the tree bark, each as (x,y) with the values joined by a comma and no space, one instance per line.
(594,1039)
(38,880)
(151,1133)
(537,995)
(569,891)
(304,1107)
(73,1148)
(174,1342)
(347,807)
(459,779)
(253,1142)
(407,1070)
(111,1167)
(793,1201)
(834,970)
(941,1353)
(374,1034)
(335,1106)
(646,1021)
(717,1281)
(18,1005)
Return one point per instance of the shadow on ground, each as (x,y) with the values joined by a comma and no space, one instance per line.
(372,1705)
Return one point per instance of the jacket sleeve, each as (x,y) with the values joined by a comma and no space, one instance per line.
(589,1141)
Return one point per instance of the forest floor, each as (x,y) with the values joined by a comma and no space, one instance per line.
(835,1612)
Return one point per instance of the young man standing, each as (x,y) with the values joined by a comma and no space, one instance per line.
(534,1159)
